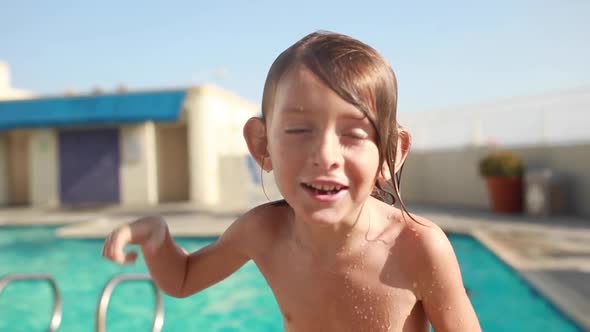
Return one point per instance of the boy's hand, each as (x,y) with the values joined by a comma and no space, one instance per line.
(148,232)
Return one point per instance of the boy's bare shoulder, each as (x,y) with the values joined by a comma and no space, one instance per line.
(268,215)
(428,251)
(417,239)
(410,230)
(256,230)
(264,221)
(425,237)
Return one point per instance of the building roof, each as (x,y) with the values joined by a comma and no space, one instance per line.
(91,110)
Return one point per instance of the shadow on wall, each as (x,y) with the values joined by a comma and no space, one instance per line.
(243,185)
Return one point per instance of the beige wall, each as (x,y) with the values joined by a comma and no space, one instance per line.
(138,173)
(19,167)
(14,168)
(450,177)
(203,163)
(43,168)
(215,120)
(233,183)
(4,178)
(173,162)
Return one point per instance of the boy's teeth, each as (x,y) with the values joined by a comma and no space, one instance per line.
(325,187)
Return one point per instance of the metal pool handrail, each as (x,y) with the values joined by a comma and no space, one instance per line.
(107,292)
(57,306)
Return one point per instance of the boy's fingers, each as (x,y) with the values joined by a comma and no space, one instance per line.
(120,240)
(106,246)
(114,246)
(130,257)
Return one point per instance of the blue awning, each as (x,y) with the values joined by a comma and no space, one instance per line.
(90,110)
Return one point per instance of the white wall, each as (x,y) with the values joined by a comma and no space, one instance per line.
(43,168)
(138,173)
(203,163)
(451,177)
(220,178)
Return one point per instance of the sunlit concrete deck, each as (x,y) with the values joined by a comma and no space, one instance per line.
(552,253)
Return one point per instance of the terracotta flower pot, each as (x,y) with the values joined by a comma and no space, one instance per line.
(506,195)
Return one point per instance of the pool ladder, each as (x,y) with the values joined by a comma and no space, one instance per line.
(57,305)
(103,302)
(107,292)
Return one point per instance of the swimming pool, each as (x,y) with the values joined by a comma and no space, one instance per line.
(243,302)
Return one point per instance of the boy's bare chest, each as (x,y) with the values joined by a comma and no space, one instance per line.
(336,296)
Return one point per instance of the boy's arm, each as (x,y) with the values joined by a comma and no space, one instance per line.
(180,274)
(440,285)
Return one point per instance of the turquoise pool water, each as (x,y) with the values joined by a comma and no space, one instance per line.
(243,302)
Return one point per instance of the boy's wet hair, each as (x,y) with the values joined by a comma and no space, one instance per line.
(360,76)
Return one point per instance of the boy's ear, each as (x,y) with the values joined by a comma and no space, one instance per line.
(256,139)
(404,141)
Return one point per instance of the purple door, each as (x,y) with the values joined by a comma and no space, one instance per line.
(89,166)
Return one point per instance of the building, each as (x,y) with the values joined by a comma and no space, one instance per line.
(128,148)
(7,92)
(548,131)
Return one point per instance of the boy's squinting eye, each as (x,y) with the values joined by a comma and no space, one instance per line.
(296,130)
(357,134)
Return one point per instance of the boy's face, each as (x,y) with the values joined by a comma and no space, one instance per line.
(323,149)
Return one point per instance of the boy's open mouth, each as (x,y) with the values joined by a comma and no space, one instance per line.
(324,189)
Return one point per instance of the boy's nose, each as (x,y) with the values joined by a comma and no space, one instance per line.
(327,154)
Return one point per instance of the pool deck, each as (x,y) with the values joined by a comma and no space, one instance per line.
(551,253)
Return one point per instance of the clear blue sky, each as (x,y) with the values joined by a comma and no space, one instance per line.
(444,52)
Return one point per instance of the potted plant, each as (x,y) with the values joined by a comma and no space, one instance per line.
(503,171)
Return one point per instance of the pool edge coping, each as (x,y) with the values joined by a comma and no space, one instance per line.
(543,285)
